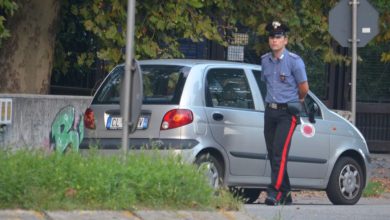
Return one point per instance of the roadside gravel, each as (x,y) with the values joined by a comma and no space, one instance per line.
(381,170)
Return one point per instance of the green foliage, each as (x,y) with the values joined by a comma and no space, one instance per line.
(373,189)
(159,26)
(7,9)
(308,21)
(75,48)
(37,180)
(383,8)
(93,32)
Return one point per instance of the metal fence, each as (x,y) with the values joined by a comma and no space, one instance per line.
(373,120)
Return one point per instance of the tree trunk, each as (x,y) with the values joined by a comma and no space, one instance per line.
(26,58)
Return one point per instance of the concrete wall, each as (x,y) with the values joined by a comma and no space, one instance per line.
(33,117)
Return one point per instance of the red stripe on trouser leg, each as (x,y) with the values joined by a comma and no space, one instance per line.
(278,196)
(284,154)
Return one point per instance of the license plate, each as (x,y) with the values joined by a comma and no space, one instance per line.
(115,123)
(142,123)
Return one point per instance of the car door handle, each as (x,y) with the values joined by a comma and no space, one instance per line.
(218,116)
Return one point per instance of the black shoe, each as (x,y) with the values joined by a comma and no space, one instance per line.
(271,197)
(271,201)
(286,199)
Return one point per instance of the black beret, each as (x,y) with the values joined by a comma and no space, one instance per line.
(275,28)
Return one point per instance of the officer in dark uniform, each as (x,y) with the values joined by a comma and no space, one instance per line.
(285,76)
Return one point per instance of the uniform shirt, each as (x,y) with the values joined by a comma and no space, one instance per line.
(282,76)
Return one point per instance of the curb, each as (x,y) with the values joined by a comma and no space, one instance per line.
(123,215)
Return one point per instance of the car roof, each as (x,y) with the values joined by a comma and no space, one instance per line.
(193,62)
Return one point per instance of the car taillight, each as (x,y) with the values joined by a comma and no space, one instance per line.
(89,119)
(176,118)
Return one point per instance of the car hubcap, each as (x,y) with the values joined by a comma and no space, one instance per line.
(349,181)
(212,174)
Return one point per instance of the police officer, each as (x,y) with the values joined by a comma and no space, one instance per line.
(285,76)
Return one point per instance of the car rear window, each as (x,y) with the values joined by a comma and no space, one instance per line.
(163,84)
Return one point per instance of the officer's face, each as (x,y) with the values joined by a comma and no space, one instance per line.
(277,43)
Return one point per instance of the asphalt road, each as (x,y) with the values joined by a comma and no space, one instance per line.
(315,205)
(319,207)
(306,208)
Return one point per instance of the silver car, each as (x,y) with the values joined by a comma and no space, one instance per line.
(212,113)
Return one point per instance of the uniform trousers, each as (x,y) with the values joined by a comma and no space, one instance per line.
(279,126)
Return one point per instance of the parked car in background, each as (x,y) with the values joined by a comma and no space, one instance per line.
(212,113)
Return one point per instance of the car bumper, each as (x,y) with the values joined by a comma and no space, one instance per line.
(138,143)
(369,168)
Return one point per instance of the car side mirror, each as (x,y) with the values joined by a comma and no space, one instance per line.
(312,112)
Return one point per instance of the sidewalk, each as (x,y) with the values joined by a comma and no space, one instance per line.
(123,215)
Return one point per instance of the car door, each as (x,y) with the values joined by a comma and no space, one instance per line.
(308,156)
(234,122)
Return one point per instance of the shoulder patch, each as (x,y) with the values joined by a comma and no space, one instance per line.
(265,55)
(293,55)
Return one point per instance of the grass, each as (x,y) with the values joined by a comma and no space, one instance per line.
(41,181)
(374,189)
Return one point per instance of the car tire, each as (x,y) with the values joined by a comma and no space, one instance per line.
(346,182)
(248,195)
(213,169)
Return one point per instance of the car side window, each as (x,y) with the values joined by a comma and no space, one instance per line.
(309,101)
(228,88)
(109,93)
(261,84)
(162,84)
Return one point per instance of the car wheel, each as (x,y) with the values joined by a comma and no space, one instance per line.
(248,195)
(213,169)
(346,182)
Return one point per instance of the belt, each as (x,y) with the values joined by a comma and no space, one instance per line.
(282,106)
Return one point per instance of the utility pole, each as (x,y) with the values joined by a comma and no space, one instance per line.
(353,33)
(127,77)
(354,59)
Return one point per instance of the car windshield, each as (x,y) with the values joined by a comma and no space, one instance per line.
(162,84)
